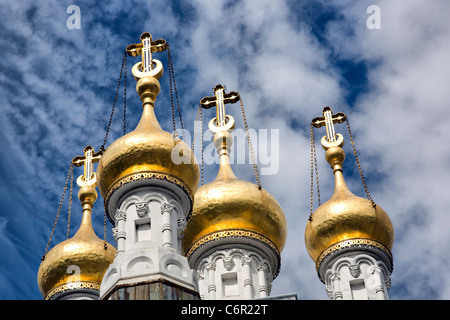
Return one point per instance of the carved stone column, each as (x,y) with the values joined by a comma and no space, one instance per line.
(336,280)
(212,288)
(248,284)
(166,210)
(376,283)
(263,288)
(120,233)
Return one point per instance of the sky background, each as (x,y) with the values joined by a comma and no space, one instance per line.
(287,59)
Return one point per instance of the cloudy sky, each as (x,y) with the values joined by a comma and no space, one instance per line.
(288,59)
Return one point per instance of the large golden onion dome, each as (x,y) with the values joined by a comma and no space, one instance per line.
(80,262)
(148,152)
(346,220)
(229,208)
(229,203)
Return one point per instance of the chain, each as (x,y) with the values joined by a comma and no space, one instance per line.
(199,120)
(104,229)
(125,99)
(359,165)
(124,59)
(313,169)
(317,173)
(70,203)
(169,62)
(250,147)
(173,83)
(59,210)
(201,141)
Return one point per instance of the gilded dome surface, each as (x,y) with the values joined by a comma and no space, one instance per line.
(61,264)
(231,204)
(147,149)
(78,262)
(346,217)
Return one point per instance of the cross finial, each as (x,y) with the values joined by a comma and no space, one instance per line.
(145,48)
(89,158)
(329,119)
(222,121)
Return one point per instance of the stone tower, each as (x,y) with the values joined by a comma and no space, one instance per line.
(237,231)
(349,238)
(148,197)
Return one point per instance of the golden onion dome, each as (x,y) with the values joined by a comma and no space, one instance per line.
(346,220)
(79,262)
(229,208)
(147,152)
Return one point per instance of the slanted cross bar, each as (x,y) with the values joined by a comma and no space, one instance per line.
(328,120)
(88,160)
(219,100)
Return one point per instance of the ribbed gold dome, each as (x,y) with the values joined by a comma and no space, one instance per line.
(229,207)
(346,220)
(79,262)
(148,151)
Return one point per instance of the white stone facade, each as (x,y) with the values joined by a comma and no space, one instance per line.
(356,276)
(148,224)
(233,274)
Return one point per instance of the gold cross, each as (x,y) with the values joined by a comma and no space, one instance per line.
(332,138)
(145,48)
(89,158)
(219,100)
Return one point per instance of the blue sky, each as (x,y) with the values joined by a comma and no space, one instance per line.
(288,59)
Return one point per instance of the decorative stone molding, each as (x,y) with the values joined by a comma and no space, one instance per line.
(131,179)
(115,231)
(146,225)
(353,244)
(239,239)
(120,215)
(165,207)
(141,209)
(228,263)
(210,266)
(355,271)
(356,275)
(73,287)
(234,274)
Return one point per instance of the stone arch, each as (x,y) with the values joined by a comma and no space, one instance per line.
(139,265)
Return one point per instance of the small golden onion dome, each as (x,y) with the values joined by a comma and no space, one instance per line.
(148,151)
(346,220)
(229,207)
(79,262)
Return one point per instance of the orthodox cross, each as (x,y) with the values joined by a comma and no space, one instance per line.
(145,48)
(328,120)
(219,100)
(88,160)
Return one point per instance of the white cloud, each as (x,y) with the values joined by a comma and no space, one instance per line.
(57,87)
(400,124)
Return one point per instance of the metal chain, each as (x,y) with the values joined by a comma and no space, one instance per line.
(359,165)
(70,204)
(317,173)
(104,229)
(313,169)
(196,126)
(125,99)
(59,209)
(250,147)
(169,63)
(199,120)
(201,142)
(173,83)
(102,148)
(124,59)
(312,172)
